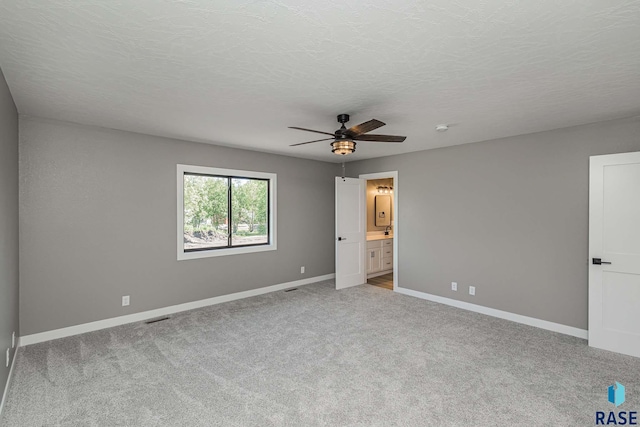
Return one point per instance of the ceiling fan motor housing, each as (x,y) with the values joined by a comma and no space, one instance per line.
(342,132)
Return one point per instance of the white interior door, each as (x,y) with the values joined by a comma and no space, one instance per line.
(614,251)
(350,232)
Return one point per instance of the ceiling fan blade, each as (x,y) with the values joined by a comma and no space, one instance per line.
(364,127)
(380,138)
(311,130)
(309,142)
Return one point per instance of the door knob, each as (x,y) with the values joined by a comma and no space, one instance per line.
(599,261)
(341,238)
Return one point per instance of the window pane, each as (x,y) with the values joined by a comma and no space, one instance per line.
(205,211)
(250,211)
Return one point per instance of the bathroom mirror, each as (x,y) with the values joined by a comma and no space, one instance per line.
(383,211)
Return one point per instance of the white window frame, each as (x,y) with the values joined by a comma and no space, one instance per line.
(204,170)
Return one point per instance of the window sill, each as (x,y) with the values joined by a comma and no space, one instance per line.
(224,252)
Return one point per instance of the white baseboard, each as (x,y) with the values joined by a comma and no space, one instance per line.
(531,321)
(150,314)
(6,387)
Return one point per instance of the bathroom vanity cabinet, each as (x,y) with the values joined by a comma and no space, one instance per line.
(379,257)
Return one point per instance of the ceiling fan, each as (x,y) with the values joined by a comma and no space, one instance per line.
(344,140)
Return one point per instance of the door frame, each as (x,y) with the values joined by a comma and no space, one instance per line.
(396,190)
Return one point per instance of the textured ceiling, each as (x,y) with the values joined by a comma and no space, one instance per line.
(239,72)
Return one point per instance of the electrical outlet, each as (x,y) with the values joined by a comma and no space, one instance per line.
(8,357)
(472,290)
(454,286)
(13,340)
(302,270)
(125,300)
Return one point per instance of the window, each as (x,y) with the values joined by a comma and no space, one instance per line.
(224,212)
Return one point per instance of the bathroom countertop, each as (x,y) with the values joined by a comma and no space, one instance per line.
(378,237)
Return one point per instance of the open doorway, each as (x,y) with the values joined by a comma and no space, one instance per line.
(381,229)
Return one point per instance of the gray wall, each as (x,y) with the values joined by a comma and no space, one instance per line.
(8,225)
(508,216)
(98,221)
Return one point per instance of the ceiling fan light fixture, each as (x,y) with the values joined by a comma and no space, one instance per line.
(343,147)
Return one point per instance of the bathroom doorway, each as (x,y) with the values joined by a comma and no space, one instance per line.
(381,229)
